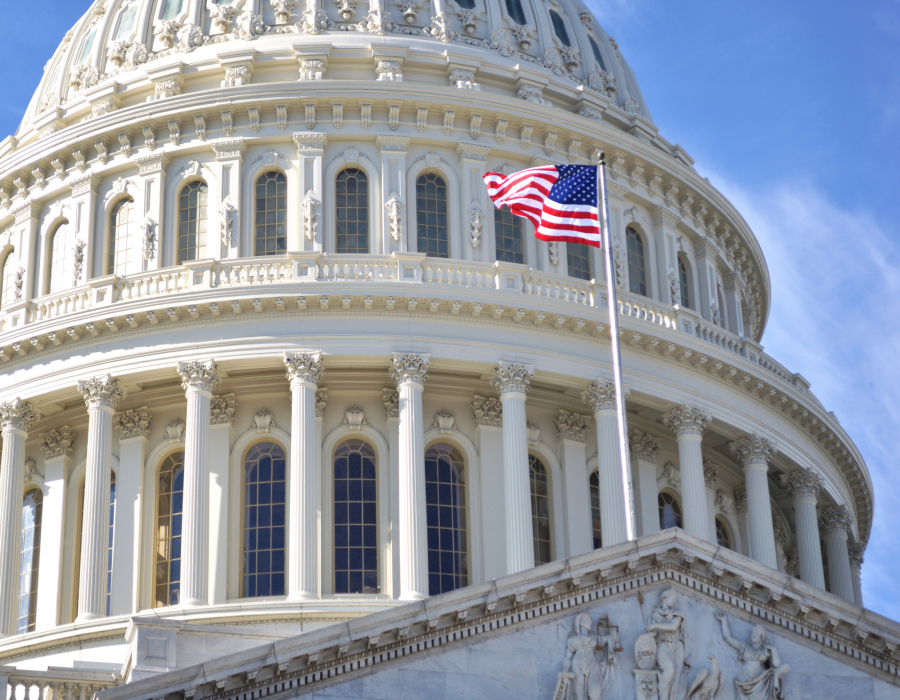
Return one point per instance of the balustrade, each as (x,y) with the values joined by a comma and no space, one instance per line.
(56,684)
(542,284)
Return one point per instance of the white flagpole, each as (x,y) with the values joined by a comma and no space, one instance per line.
(627,490)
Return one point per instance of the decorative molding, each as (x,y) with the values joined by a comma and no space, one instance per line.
(321,402)
(600,396)
(512,378)
(305,367)
(263,421)
(687,420)
(58,443)
(103,391)
(354,418)
(754,449)
(391,400)
(740,501)
(803,484)
(175,431)
(835,521)
(199,374)
(444,422)
(133,423)
(221,409)
(571,426)
(410,368)
(487,412)
(644,447)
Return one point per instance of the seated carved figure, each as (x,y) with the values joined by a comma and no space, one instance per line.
(761,676)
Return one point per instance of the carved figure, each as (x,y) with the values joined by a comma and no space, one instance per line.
(668,625)
(591,677)
(228,217)
(760,677)
(708,682)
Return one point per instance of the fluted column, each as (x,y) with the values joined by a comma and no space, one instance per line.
(856,551)
(512,381)
(199,378)
(710,476)
(304,369)
(16,418)
(835,523)
(803,486)
(410,372)
(601,397)
(102,395)
(644,454)
(753,453)
(688,423)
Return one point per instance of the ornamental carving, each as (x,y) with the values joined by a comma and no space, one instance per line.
(761,672)
(304,366)
(835,520)
(103,392)
(512,378)
(687,420)
(722,502)
(221,409)
(502,41)
(199,374)
(644,447)
(600,396)
(228,215)
(476,219)
(444,422)
(389,71)
(670,475)
(674,287)
(175,431)
(792,564)
(354,418)
(856,552)
(378,22)
(533,433)
(589,667)
(283,10)
(321,402)
(532,93)
(391,400)
(782,536)
(442,28)
(263,421)
(248,26)
(754,449)
(740,501)
(803,483)
(58,443)
(393,207)
(221,17)
(571,426)
(602,82)
(148,238)
(314,21)
(410,368)
(488,412)
(134,423)
(710,475)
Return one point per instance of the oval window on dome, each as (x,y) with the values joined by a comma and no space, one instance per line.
(559,28)
(598,57)
(126,24)
(171,8)
(516,11)
(86,47)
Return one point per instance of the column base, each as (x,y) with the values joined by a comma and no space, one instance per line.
(193,602)
(413,595)
(300,596)
(87,617)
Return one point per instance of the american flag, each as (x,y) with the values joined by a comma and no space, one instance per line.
(560,200)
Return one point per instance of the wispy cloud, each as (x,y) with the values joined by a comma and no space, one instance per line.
(836,289)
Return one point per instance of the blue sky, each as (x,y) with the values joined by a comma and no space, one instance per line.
(793,111)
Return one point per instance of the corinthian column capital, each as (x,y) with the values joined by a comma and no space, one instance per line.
(199,374)
(134,423)
(304,366)
(221,409)
(410,368)
(803,483)
(571,426)
(644,447)
(18,415)
(600,396)
(58,443)
(754,449)
(102,392)
(856,552)
(835,520)
(512,378)
(687,420)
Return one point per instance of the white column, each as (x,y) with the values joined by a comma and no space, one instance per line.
(753,452)
(221,411)
(856,551)
(803,486)
(572,433)
(101,394)
(488,414)
(835,523)
(16,417)
(199,378)
(391,400)
(304,369)
(688,423)
(57,447)
(134,429)
(644,453)
(601,397)
(409,372)
(512,381)
(321,404)
(710,476)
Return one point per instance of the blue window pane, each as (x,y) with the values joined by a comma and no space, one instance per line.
(264,524)
(446,518)
(355,511)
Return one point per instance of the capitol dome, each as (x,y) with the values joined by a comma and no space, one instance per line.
(272,361)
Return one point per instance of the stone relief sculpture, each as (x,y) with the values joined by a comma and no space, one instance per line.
(588,672)
(761,676)
(707,682)
(663,643)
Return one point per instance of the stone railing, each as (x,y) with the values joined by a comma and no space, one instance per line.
(54,683)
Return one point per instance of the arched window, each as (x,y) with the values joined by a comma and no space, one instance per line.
(61,270)
(270,232)
(598,57)
(126,22)
(559,28)
(169,507)
(578,256)
(109,543)
(355,522)
(29,561)
(669,511)
(515,10)
(684,282)
(86,47)
(431,216)
(8,280)
(508,236)
(540,510)
(595,510)
(445,503)
(118,254)
(721,304)
(192,221)
(264,520)
(352,220)
(171,8)
(723,533)
(637,266)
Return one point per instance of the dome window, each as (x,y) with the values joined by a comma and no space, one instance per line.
(352,187)
(466,4)
(684,283)
(265,493)
(669,511)
(61,270)
(515,10)
(126,23)
(118,251)
(596,529)
(508,236)
(445,504)
(271,214)
(169,513)
(598,57)
(355,520)
(431,216)
(540,511)
(172,8)
(637,263)
(559,28)
(578,258)
(7,280)
(86,47)
(192,221)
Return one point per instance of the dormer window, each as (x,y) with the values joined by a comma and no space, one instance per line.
(559,28)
